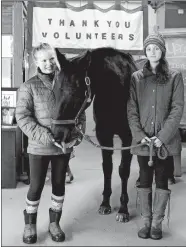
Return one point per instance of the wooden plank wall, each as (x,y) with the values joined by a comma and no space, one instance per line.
(18,44)
(6,17)
(12,24)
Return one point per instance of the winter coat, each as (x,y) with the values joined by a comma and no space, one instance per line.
(155,109)
(35,105)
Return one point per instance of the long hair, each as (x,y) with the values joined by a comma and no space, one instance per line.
(162,70)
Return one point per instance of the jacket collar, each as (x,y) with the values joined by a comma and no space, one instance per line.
(147,73)
(47,79)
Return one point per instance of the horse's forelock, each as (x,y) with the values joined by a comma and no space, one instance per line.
(82,61)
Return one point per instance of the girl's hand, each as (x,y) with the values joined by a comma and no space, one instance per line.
(71,144)
(62,146)
(58,145)
(146,139)
(157,142)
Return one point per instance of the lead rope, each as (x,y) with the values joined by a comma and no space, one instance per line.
(87,138)
(162,151)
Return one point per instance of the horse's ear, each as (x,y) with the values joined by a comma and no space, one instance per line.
(60,57)
(57,52)
(84,59)
(88,53)
(88,58)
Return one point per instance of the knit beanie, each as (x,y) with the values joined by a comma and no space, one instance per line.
(157,39)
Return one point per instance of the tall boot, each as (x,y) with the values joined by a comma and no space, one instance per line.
(30,233)
(55,231)
(160,202)
(145,197)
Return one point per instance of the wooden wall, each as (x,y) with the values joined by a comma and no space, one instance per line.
(6,17)
(12,24)
(18,44)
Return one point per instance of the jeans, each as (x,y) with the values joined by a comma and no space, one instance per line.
(161,168)
(38,170)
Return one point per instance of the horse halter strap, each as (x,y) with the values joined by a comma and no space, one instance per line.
(87,100)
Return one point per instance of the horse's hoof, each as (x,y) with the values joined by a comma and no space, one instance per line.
(69,178)
(104,210)
(122,217)
(171,180)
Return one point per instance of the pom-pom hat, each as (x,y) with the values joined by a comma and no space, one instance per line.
(157,39)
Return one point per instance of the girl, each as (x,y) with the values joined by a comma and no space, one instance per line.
(34,109)
(155,109)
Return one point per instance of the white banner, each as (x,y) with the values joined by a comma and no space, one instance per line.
(89,28)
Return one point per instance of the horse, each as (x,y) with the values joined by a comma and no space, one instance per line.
(107,72)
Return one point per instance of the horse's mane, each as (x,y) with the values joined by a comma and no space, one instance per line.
(100,59)
(120,63)
(101,52)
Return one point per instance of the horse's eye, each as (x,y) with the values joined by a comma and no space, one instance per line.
(77,83)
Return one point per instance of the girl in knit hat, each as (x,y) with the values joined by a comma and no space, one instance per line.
(155,109)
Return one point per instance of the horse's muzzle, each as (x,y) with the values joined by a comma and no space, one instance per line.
(62,133)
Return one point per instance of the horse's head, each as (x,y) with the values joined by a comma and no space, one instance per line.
(109,71)
(72,94)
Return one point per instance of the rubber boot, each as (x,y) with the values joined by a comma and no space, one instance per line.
(30,232)
(145,198)
(161,198)
(55,231)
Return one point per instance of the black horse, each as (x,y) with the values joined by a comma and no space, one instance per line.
(109,71)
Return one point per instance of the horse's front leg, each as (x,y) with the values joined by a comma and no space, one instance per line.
(105,138)
(124,172)
(107,166)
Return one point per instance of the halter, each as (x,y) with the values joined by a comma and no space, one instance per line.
(87,100)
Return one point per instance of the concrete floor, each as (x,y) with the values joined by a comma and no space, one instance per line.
(81,222)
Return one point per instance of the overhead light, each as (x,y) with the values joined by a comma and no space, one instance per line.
(180,11)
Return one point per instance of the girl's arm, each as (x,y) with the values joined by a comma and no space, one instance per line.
(172,122)
(26,120)
(133,114)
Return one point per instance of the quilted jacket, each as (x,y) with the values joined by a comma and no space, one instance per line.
(155,109)
(35,104)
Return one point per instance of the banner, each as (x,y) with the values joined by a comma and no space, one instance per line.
(88,28)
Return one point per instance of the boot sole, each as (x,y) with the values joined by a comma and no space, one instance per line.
(31,241)
(56,239)
(156,238)
(144,237)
